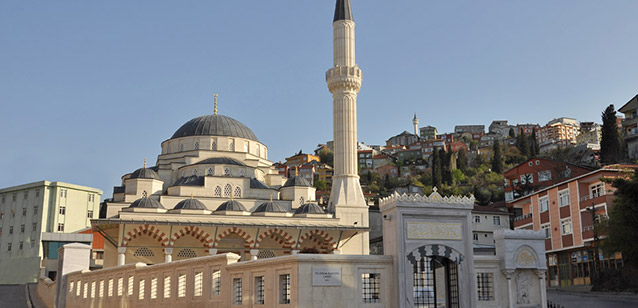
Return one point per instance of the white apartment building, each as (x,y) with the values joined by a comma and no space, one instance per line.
(486,220)
(27,211)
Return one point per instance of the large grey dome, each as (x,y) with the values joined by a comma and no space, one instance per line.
(215,125)
(310,208)
(271,207)
(297,181)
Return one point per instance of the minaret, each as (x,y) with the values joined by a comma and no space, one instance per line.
(344,81)
(415,121)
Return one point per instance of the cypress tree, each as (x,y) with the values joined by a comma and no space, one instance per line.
(497,159)
(461,160)
(610,150)
(436,168)
(512,133)
(534,143)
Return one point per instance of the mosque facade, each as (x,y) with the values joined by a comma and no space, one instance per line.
(213,190)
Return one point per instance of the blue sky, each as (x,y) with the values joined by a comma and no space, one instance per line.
(90,88)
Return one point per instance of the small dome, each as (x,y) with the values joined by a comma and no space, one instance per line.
(297,181)
(190,204)
(220,161)
(215,125)
(310,208)
(270,207)
(145,173)
(147,203)
(231,205)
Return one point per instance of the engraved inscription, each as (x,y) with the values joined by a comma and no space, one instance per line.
(435,231)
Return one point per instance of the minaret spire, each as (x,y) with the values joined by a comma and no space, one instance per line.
(344,81)
(343,11)
(215,103)
(415,121)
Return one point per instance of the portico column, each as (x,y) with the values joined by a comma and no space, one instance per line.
(253,254)
(543,287)
(168,255)
(121,257)
(510,288)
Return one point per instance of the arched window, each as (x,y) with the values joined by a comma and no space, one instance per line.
(226,171)
(210,171)
(301,201)
(196,145)
(214,146)
(218,191)
(181,147)
(231,146)
(242,172)
(246,146)
(258,151)
(228,190)
(144,194)
(194,171)
(237,192)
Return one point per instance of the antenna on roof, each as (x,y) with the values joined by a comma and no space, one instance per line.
(215,103)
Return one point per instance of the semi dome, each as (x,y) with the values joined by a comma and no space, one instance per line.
(231,205)
(190,204)
(297,181)
(147,203)
(215,125)
(270,207)
(145,173)
(310,208)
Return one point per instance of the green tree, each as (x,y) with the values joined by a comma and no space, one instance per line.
(512,133)
(436,168)
(446,168)
(320,185)
(326,157)
(610,149)
(497,158)
(534,143)
(522,143)
(622,228)
(461,160)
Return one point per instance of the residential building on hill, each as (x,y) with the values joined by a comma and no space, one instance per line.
(558,133)
(403,139)
(473,129)
(428,132)
(27,211)
(300,159)
(501,127)
(590,136)
(630,126)
(537,173)
(485,220)
(527,129)
(566,211)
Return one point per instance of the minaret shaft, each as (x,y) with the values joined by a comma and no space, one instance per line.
(344,81)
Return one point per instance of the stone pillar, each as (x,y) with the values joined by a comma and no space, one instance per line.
(168,255)
(121,257)
(253,254)
(71,258)
(543,287)
(511,291)
(212,251)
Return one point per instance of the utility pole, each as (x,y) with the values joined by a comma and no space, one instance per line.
(596,243)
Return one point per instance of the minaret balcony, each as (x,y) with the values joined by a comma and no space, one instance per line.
(344,77)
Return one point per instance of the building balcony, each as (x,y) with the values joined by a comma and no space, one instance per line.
(588,201)
(522,220)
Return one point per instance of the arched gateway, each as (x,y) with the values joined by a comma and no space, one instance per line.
(434,274)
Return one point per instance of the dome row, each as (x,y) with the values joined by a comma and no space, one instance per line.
(230,205)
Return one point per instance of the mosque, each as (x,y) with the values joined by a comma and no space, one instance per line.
(213,190)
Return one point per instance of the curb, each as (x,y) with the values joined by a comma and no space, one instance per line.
(27,295)
(623,295)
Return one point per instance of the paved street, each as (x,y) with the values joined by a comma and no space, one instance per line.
(589,300)
(12,296)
